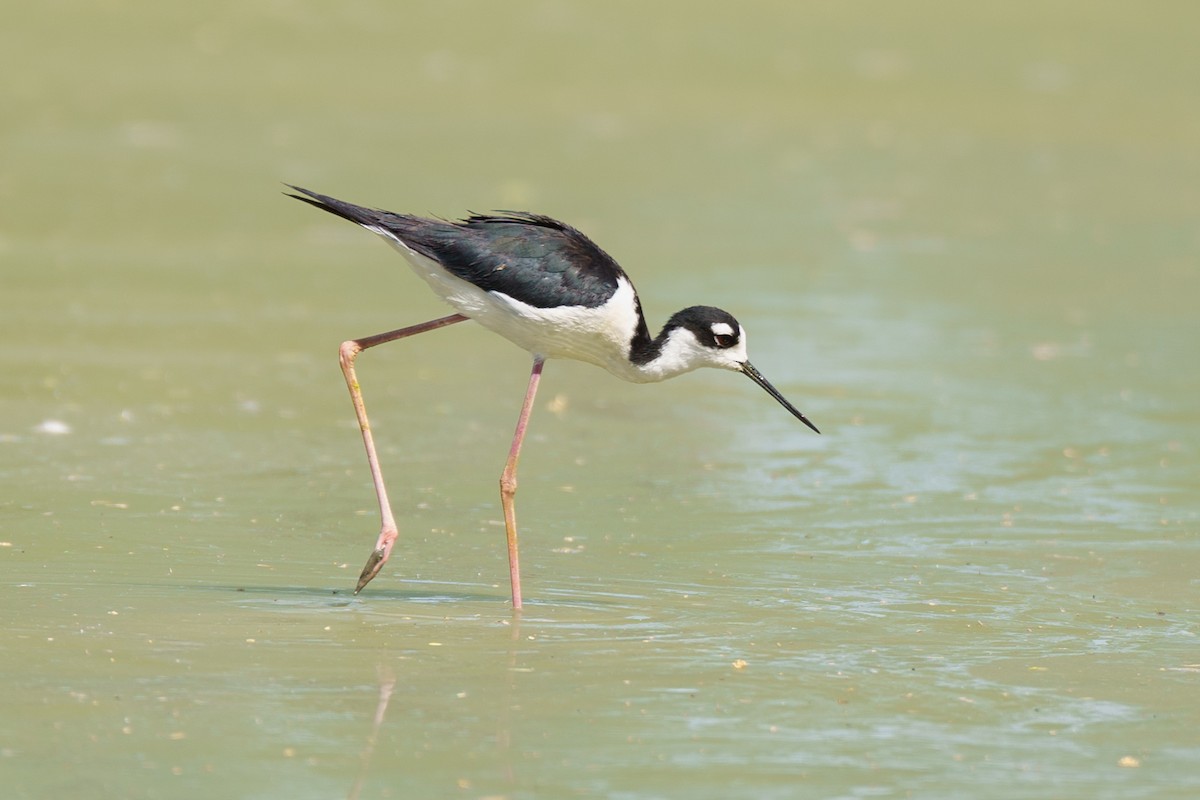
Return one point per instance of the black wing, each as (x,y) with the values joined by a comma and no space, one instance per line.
(532,258)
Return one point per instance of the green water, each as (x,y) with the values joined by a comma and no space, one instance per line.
(963,240)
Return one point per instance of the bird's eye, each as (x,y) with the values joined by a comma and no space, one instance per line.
(725,339)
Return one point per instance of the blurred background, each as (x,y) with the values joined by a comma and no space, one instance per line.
(962,239)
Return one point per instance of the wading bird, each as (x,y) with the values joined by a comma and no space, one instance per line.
(547,288)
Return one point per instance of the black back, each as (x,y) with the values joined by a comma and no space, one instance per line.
(532,258)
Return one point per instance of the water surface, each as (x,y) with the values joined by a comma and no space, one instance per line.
(962,241)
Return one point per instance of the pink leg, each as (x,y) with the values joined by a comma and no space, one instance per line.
(508,481)
(348,352)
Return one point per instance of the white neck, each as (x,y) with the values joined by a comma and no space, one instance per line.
(681,352)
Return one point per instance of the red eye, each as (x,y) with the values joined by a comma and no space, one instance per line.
(724,340)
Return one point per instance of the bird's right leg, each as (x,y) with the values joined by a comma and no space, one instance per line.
(346,355)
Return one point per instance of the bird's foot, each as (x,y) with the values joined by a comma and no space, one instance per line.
(378,557)
(374,565)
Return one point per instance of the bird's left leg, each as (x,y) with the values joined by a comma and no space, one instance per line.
(346,355)
(508,481)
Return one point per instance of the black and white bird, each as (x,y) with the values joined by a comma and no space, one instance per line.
(550,290)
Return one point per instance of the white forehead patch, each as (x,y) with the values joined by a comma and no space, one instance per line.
(722,329)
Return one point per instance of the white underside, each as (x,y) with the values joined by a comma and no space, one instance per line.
(599,336)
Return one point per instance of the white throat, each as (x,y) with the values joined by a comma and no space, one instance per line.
(682,352)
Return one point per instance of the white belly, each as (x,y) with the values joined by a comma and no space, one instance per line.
(599,336)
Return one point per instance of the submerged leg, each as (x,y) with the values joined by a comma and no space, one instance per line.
(346,355)
(508,481)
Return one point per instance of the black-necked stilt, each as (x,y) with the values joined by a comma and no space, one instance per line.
(547,288)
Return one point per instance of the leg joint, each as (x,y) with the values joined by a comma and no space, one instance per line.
(348,351)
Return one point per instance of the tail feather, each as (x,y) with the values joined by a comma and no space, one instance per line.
(356,214)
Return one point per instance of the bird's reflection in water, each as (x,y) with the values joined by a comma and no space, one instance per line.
(386,677)
(387,684)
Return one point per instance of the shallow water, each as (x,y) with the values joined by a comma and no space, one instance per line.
(963,242)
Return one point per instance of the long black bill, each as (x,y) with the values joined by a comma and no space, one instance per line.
(750,372)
